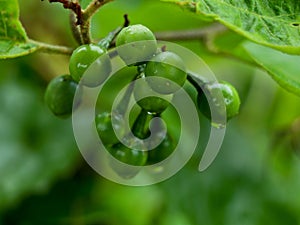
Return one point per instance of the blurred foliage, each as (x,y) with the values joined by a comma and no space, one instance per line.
(43,179)
(33,153)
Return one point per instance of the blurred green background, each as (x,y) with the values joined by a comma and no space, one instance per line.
(44,180)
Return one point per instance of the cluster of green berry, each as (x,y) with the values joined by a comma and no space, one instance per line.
(61,90)
(137,46)
(160,74)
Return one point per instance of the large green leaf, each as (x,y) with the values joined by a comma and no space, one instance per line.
(13,39)
(283,68)
(10,49)
(274,23)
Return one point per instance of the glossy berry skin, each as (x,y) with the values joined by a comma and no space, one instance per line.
(129,156)
(59,95)
(135,44)
(105,128)
(166,65)
(231,99)
(132,157)
(155,103)
(162,151)
(83,57)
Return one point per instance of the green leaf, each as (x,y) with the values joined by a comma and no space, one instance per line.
(13,39)
(283,68)
(272,23)
(10,49)
(10,27)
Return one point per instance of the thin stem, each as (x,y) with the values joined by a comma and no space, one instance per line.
(83,16)
(85,31)
(93,7)
(75,29)
(90,10)
(197,86)
(206,34)
(193,34)
(106,42)
(126,20)
(54,49)
(138,128)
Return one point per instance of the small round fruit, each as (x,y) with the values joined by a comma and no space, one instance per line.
(136,44)
(84,58)
(60,94)
(105,128)
(231,100)
(155,103)
(128,156)
(169,66)
(131,157)
(162,151)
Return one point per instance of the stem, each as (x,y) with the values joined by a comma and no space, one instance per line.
(106,42)
(54,49)
(195,84)
(138,128)
(85,31)
(86,14)
(75,29)
(193,34)
(93,7)
(83,16)
(207,34)
(126,20)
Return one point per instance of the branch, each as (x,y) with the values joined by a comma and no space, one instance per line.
(54,49)
(83,17)
(193,34)
(90,10)
(75,29)
(206,34)
(93,7)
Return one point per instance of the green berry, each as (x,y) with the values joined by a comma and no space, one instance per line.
(155,103)
(128,156)
(59,95)
(231,99)
(105,128)
(132,157)
(84,58)
(162,151)
(169,66)
(136,44)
